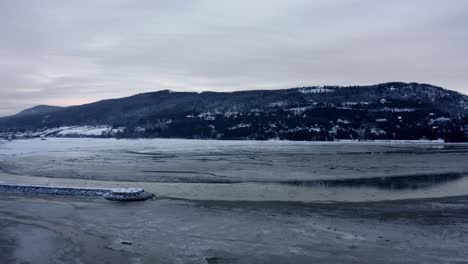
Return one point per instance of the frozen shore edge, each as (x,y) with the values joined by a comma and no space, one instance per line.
(114,194)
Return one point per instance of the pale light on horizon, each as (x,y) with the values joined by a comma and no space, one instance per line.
(68,53)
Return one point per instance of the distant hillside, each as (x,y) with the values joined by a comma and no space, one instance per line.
(40,109)
(384,111)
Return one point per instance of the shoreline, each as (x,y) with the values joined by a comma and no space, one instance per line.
(311,142)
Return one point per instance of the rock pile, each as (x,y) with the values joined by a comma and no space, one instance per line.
(128,194)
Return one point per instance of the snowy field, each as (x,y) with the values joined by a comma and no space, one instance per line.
(243,170)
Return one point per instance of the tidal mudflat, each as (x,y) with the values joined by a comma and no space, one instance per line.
(237,202)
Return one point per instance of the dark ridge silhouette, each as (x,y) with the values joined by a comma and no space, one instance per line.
(384,111)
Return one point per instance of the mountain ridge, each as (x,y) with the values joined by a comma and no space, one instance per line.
(39,109)
(382,111)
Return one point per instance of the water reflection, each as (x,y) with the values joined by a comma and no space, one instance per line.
(409,182)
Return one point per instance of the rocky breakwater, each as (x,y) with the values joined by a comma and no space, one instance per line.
(114,194)
(128,194)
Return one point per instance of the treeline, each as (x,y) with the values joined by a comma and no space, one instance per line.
(319,124)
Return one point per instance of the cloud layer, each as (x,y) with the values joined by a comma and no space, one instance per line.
(72,52)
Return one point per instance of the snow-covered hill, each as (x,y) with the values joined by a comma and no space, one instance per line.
(390,111)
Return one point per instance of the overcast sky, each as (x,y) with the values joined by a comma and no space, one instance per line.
(72,52)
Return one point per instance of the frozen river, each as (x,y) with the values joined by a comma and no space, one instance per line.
(243,170)
(236,202)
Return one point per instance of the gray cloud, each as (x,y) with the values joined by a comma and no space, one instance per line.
(71,52)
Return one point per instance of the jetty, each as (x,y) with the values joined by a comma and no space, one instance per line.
(113,194)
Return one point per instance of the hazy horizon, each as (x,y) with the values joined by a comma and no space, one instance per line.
(175,90)
(70,53)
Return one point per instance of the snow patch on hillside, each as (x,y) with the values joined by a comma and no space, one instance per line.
(315,90)
(84,131)
(73,131)
(242,125)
